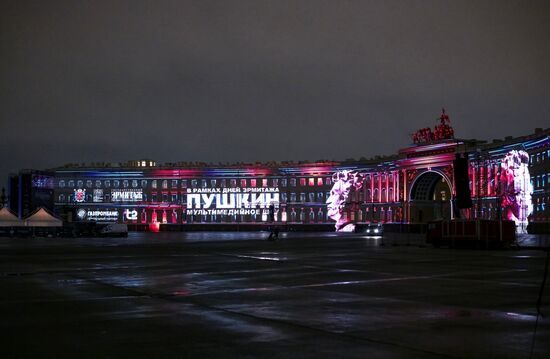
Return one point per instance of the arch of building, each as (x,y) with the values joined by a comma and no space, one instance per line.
(430,196)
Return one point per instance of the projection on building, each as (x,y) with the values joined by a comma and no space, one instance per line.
(230,201)
(516,187)
(345,183)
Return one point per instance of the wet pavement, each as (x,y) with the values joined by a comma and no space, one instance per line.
(236,295)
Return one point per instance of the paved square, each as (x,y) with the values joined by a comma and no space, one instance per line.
(178,295)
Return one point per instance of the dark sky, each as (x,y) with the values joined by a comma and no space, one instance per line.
(261,80)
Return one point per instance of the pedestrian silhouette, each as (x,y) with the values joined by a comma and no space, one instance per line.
(274,231)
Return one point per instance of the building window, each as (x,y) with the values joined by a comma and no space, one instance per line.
(320,196)
(302,197)
(184,183)
(98,184)
(212,183)
(164,197)
(61,197)
(125,183)
(253,182)
(264,182)
(164,184)
(134,183)
(107,183)
(194,183)
(293,182)
(71,183)
(89,183)
(61,184)
(311,181)
(143,183)
(283,197)
(233,183)
(79,183)
(283,182)
(293,197)
(312,197)
(302,182)
(319,181)
(275,182)
(154,184)
(174,183)
(174,198)
(204,184)
(328,180)
(222,183)
(153,197)
(243,182)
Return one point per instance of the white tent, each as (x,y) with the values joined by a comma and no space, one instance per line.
(8,219)
(41,218)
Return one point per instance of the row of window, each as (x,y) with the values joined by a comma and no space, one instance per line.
(175,197)
(537,182)
(540,156)
(195,183)
(319,197)
(304,215)
(539,204)
(540,181)
(311,215)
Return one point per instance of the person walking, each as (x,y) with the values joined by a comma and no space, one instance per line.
(274,232)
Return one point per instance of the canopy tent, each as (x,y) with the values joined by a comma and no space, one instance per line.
(8,219)
(41,218)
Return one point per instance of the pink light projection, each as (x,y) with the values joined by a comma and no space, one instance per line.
(516,187)
(345,182)
(442,131)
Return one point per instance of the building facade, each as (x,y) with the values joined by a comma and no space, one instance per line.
(509,178)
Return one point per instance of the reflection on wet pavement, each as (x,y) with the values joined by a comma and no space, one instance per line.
(237,295)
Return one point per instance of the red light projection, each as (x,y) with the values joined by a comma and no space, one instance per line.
(442,131)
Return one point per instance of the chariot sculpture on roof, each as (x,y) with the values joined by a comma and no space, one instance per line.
(442,131)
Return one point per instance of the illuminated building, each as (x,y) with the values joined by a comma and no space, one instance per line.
(415,186)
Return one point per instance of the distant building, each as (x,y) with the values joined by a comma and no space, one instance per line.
(415,186)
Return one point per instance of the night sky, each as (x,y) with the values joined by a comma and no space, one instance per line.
(257,80)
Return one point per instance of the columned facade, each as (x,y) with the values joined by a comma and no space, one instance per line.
(416,185)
